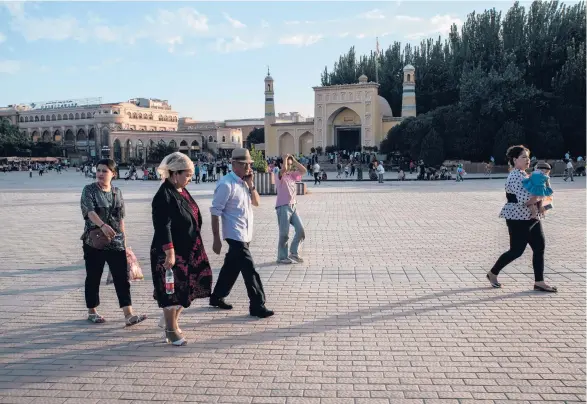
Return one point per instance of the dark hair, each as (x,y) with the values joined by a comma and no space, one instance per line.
(108,163)
(514,152)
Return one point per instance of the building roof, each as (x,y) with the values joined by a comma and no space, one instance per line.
(409,67)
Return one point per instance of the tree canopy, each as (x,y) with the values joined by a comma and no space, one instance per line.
(523,71)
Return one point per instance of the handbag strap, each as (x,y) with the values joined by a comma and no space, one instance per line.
(112,208)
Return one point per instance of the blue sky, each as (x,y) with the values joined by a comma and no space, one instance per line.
(207,58)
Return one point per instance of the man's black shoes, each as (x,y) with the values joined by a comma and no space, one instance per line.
(261,312)
(220,303)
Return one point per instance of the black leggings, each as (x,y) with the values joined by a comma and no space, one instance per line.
(523,232)
(95,260)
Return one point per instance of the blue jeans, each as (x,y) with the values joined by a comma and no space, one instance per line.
(287,215)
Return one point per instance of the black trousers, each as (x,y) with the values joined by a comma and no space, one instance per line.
(95,260)
(317,178)
(238,259)
(522,233)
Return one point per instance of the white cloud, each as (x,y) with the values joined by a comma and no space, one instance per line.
(439,24)
(344,35)
(442,23)
(292,23)
(264,24)
(236,44)
(374,14)
(177,40)
(105,33)
(2,37)
(407,18)
(233,22)
(300,40)
(9,66)
(360,36)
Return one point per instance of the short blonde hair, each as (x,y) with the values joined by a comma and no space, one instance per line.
(174,162)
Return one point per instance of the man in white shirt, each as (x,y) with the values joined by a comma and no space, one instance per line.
(234,198)
(316,170)
(380,171)
(569,170)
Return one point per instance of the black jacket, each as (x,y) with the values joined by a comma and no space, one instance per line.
(173,221)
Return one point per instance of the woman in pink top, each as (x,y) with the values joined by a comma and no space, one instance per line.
(285,184)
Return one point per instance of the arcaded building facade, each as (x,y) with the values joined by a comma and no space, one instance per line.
(84,128)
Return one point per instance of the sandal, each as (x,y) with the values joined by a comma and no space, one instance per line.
(175,338)
(134,319)
(495,283)
(548,289)
(96,318)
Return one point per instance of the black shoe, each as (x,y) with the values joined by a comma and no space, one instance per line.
(261,312)
(220,303)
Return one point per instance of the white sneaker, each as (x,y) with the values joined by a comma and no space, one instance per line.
(296,258)
(285,261)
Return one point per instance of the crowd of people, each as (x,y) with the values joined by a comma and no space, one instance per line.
(177,244)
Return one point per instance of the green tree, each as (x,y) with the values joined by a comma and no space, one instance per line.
(432,150)
(256,136)
(510,134)
(12,142)
(259,163)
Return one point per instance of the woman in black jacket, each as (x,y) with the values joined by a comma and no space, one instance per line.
(177,244)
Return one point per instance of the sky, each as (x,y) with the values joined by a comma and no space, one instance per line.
(209,59)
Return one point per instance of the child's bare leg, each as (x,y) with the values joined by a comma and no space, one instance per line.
(534,211)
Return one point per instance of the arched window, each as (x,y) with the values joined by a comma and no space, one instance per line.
(58,117)
(71,116)
(129,115)
(64,117)
(21,119)
(53,117)
(36,118)
(210,139)
(409,77)
(233,139)
(26,118)
(47,118)
(76,115)
(42,118)
(223,139)
(83,115)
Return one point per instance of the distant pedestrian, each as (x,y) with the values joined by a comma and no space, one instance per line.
(380,171)
(316,170)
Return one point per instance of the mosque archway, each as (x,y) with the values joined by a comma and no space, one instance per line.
(344,129)
(117,150)
(286,144)
(306,142)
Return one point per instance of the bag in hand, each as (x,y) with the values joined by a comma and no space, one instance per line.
(135,273)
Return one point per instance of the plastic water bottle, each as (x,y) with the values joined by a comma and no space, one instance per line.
(169,282)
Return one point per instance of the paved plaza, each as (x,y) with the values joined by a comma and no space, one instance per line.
(391,306)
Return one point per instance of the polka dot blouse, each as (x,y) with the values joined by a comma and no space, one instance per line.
(513,185)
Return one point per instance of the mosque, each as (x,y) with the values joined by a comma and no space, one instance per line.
(349,116)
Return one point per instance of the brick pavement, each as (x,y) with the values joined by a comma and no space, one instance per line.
(391,306)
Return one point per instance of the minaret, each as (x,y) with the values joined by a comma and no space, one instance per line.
(409,93)
(269,102)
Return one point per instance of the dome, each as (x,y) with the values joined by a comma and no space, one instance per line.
(268,78)
(409,67)
(363,78)
(384,107)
